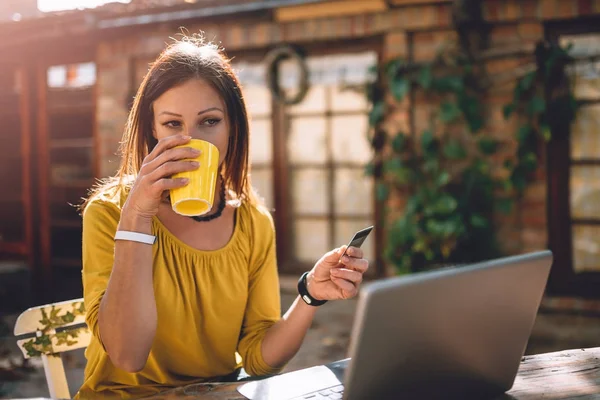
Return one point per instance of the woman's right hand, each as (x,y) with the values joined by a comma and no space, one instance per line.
(154,178)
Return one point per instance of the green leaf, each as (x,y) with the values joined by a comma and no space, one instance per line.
(431,165)
(504,205)
(400,87)
(536,105)
(481,166)
(392,164)
(448,84)
(507,185)
(523,85)
(443,178)
(435,227)
(529,162)
(403,175)
(487,145)
(399,142)
(429,255)
(68,317)
(454,150)
(449,112)
(392,67)
(425,77)
(507,110)
(395,169)
(381,191)
(523,133)
(471,109)
(427,140)
(446,204)
(519,179)
(546,132)
(377,113)
(420,245)
(527,80)
(478,221)
(372,91)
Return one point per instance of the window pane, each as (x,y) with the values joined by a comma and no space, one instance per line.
(307,141)
(309,191)
(262,181)
(585,191)
(349,98)
(585,74)
(314,102)
(258,100)
(261,146)
(353,192)
(345,229)
(72,75)
(349,139)
(585,133)
(586,248)
(310,240)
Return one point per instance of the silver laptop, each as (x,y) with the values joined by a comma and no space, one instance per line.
(449,333)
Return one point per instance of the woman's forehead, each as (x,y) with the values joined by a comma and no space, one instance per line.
(190,95)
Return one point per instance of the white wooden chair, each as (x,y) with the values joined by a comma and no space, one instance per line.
(49,330)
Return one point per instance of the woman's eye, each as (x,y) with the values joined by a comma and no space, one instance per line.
(211,121)
(172,124)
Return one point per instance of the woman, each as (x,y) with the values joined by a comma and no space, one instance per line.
(183,299)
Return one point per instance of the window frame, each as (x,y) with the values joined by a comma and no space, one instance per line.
(283,215)
(563,280)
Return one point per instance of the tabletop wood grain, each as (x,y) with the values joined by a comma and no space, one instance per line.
(561,375)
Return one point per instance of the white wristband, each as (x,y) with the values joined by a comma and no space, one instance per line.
(135,237)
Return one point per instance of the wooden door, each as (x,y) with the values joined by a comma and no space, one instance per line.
(16,240)
(67,164)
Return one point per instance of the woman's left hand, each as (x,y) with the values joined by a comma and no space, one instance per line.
(333,278)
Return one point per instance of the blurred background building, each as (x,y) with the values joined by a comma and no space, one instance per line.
(67,79)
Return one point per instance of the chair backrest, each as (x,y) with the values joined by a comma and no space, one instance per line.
(49,330)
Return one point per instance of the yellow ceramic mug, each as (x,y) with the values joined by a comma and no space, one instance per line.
(196,198)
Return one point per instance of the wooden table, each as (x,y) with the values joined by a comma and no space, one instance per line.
(562,375)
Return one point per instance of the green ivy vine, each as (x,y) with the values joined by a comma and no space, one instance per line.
(43,344)
(455,175)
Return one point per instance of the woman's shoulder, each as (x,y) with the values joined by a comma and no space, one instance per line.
(108,197)
(258,214)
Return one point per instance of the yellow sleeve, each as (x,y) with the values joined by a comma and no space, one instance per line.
(100,220)
(263,308)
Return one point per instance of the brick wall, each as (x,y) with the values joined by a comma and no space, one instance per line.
(421,28)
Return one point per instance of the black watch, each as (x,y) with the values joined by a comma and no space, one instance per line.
(303,291)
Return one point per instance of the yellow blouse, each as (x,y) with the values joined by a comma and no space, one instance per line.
(213,306)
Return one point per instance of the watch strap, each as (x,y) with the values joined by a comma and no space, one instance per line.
(305,295)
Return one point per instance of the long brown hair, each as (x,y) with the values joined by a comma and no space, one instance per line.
(188,58)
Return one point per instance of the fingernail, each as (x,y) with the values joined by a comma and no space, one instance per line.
(346,259)
(195,164)
(186,137)
(184,180)
(195,151)
(335,272)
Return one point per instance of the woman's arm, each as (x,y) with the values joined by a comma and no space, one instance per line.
(127,315)
(283,340)
(329,280)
